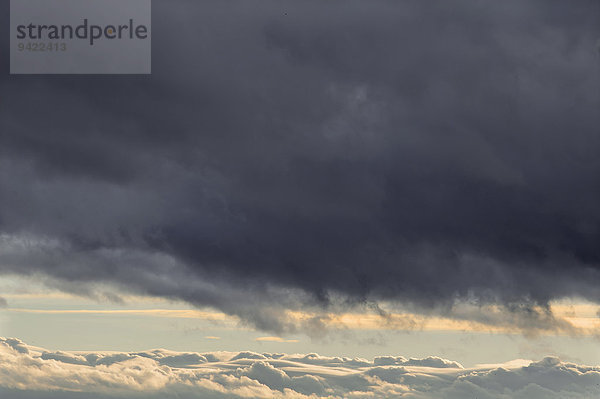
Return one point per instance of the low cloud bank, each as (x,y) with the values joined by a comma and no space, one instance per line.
(31,372)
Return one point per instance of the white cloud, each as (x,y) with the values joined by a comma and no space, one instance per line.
(31,372)
(275,339)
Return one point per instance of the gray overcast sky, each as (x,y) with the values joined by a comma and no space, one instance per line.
(284,154)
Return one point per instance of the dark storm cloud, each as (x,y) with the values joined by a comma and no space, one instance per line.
(411,151)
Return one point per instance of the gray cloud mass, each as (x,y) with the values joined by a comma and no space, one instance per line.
(283,152)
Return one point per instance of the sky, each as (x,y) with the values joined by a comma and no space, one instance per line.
(354,179)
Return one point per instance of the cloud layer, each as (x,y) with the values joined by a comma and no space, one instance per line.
(285,153)
(31,372)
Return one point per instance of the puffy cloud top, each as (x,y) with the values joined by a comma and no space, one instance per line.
(31,372)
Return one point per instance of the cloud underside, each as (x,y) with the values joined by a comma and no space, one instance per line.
(280,159)
(31,372)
